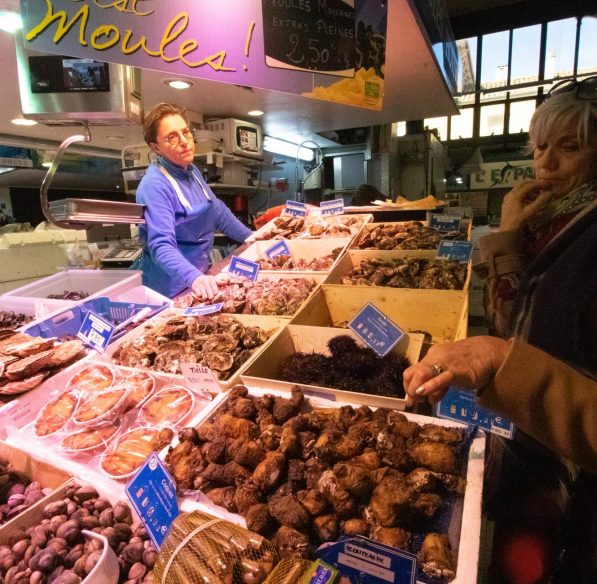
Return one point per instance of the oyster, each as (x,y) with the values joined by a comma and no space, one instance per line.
(218,361)
(16,387)
(222,343)
(409,235)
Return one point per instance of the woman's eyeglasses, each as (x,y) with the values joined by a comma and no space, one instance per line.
(585,89)
(175,138)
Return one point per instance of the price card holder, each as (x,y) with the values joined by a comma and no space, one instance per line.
(459,251)
(278,249)
(362,560)
(96,332)
(200,379)
(376,330)
(444,222)
(461,406)
(152,492)
(295,208)
(244,268)
(335,207)
(201,310)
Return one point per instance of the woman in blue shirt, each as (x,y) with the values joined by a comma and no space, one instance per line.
(182,213)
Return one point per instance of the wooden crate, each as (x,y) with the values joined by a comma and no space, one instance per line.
(412,310)
(466,225)
(264,370)
(353,258)
(306,249)
(47,475)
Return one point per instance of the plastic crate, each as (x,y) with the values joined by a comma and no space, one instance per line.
(68,323)
(95,282)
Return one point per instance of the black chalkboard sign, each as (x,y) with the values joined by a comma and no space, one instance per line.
(310,35)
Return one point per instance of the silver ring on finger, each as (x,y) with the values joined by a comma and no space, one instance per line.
(436,369)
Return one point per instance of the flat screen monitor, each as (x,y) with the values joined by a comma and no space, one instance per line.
(60,74)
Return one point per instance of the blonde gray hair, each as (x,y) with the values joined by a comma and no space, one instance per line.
(558,113)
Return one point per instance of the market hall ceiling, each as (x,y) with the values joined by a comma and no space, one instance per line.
(414,89)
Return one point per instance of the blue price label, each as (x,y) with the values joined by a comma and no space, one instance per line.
(362,560)
(96,332)
(152,492)
(335,207)
(459,251)
(201,310)
(376,329)
(444,222)
(296,208)
(278,249)
(461,406)
(244,268)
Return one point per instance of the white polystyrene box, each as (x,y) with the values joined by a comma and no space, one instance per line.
(95,282)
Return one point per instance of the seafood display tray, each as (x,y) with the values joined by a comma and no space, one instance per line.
(264,322)
(38,309)
(94,282)
(47,475)
(464,530)
(263,371)
(106,570)
(468,227)
(353,258)
(305,249)
(86,463)
(69,321)
(412,310)
(311,217)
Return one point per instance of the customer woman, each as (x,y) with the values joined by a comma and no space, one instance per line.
(542,288)
(182,214)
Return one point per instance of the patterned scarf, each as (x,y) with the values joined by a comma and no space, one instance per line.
(570,204)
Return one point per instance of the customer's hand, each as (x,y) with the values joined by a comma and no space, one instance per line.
(522,204)
(467,364)
(206,287)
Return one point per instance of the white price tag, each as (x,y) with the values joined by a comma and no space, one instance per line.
(200,379)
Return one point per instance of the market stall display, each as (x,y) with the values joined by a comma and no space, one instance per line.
(24,481)
(103,419)
(25,361)
(408,235)
(281,297)
(311,227)
(222,343)
(198,550)
(414,311)
(300,255)
(66,540)
(332,362)
(13,320)
(92,282)
(302,475)
(421,273)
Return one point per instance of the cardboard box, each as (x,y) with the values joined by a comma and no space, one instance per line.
(264,370)
(412,310)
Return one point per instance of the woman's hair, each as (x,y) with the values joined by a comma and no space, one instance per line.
(153,118)
(559,112)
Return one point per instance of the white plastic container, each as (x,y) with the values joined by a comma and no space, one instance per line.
(107,569)
(94,282)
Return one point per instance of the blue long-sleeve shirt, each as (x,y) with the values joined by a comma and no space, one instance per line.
(178,233)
